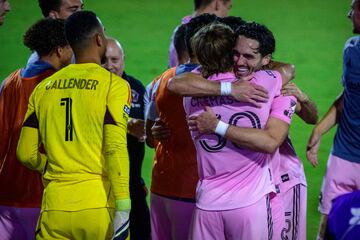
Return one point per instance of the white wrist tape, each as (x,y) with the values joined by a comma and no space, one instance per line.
(221,128)
(225,88)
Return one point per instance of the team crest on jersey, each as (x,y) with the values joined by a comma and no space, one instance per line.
(290,112)
(135,95)
(127,109)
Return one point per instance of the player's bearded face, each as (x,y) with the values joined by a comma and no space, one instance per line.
(247,59)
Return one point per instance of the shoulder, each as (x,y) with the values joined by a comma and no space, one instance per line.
(268,75)
(352,45)
(134,83)
(353,41)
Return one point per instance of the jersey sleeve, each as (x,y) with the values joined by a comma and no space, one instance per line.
(283,108)
(115,146)
(28,146)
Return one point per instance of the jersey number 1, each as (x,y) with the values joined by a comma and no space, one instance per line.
(67,102)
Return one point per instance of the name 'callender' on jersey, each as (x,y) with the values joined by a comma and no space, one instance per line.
(70,109)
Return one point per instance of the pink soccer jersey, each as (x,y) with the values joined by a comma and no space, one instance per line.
(231,176)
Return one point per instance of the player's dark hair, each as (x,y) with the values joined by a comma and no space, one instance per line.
(179,41)
(213,45)
(49,5)
(79,28)
(204,3)
(233,22)
(259,33)
(45,36)
(194,25)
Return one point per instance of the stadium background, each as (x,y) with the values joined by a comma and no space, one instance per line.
(309,33)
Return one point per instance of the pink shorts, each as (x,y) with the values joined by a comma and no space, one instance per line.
(18,223)
(170,219)
(294,203)
(341,177)
(253,222)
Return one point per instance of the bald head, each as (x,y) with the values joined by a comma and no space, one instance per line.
(115,58)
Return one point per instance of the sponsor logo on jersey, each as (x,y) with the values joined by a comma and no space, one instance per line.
(285,178)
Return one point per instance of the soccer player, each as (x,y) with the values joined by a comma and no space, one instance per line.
(80,115)
(218,7)
(4,8)
(20,188)
(342,175)
(139,214)
(232,195)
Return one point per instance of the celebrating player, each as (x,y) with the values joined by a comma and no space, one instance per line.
(228,172)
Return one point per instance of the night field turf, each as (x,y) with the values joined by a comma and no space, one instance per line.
(310,34)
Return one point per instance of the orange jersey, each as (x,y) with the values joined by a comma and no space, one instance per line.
(174,169)
(19,186)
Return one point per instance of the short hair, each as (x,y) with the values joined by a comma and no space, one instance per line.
(47,6)
(179,40)
(213,45)
(204,3)
(45,35)
(259,33)
(233,22)
(194,25)
(79,28)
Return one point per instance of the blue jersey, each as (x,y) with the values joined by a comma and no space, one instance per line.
(344,217)
(347,138)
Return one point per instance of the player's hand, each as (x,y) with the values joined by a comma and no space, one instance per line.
(204,123)
(290,89)
(159,131)
(313,148)
(245,91)
(121,225)
(136,128)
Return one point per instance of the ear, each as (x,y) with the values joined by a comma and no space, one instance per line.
(53,14)
(99,39)
(266,60)
(58,51)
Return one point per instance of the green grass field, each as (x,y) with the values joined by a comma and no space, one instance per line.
(309,33)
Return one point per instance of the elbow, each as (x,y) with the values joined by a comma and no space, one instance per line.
(23,156)
(271,146)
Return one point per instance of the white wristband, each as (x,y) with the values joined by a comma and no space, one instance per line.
(225,88)
(221,128)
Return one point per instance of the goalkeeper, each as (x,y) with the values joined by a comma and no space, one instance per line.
(80,115)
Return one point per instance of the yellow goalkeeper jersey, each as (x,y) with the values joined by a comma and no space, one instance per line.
(81,114)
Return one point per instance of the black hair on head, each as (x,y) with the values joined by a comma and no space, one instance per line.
(79,28)
(259,33)
(45,35)
(233,22)
(49,5)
